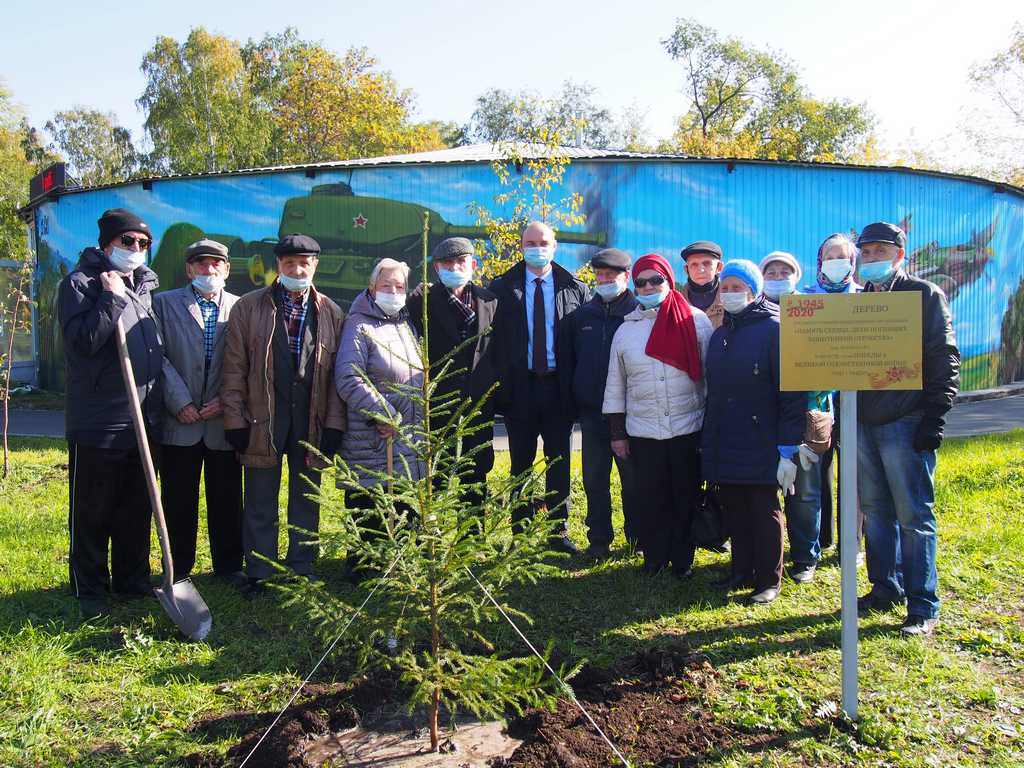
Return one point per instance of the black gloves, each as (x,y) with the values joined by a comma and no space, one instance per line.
(330,441)
(239,438)
(928,436)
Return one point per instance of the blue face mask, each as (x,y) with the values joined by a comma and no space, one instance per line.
(775,289)
(452,279)
(609,291)
(651,300)
(295,284)
(877,271)
(208,283)
(539,257)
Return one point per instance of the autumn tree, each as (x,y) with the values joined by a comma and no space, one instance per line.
(338,107)
(98,150)
(999,133)
(502,115)
(20,151)
(200,115)
(745,102)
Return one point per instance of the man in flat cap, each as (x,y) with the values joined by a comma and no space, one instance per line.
(703,262)
(459,310)
(108,499)
(194,320)
(898,435)
(278,395)
(586,341)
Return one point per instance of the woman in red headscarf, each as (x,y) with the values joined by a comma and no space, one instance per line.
(654,400)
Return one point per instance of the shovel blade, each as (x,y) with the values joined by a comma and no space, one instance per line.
(186,608)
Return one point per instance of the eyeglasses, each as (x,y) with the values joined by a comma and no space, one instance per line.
(129,240)
(640,282)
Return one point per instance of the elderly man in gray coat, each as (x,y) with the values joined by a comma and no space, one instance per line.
(194,320)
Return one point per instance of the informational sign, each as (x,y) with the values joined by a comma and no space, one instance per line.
(851,341)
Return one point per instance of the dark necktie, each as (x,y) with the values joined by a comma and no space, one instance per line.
(540,338)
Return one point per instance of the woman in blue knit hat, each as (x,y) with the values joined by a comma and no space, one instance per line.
(752,431)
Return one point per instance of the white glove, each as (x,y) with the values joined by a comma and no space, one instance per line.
(786,475)
(808,458)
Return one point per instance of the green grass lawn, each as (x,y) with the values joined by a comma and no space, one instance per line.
(125,691)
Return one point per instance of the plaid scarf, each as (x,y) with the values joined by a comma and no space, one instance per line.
(294,321)
(463,307)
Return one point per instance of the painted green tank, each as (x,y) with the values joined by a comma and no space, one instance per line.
(354,232)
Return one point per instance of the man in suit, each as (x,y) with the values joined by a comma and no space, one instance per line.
(459,310)
(534,296)
(278,395)
(194,320)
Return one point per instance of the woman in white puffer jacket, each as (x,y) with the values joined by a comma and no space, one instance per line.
(654,400)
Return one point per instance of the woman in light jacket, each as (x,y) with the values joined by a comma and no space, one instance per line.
(654,400)
(378,341)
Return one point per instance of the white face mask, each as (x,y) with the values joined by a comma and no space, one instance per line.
(208,283)
(390,303)
(125,261)
(539,256)
(734,302)
(836,270)
(609,291)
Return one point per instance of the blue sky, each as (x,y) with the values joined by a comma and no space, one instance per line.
(907,60)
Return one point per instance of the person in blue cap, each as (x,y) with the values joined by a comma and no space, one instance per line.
(898,433)
(752,430)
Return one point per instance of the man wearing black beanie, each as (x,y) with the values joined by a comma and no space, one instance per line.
(108,500)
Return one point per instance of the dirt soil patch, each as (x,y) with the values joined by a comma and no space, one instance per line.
(651,705)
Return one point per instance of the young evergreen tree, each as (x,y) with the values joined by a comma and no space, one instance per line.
(440,564)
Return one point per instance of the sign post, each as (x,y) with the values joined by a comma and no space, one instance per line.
(850,342)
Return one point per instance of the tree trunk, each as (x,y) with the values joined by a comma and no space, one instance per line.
(9,362)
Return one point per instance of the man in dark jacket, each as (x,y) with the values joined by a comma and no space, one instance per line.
(457,311)
(108,499)
(278,395)
(534,297)
(586,342)
(898,434)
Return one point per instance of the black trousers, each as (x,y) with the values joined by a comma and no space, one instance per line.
(107,502)
(667,476)
(548,421)
(222,475)
(754,519)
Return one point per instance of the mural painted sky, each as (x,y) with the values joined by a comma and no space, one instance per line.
(964,235)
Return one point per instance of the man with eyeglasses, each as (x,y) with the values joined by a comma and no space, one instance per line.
(108,499)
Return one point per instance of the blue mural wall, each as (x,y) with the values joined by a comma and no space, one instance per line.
(966,235)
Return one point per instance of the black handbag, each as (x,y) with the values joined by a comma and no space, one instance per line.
(708,525)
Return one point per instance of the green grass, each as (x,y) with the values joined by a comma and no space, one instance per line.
(126,691)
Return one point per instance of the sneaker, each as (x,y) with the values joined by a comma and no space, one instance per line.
(919,626)
(597,551)
(802,573)
(874,602)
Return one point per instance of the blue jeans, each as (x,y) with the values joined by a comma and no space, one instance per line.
(803,516)
(597,470)
(896,486)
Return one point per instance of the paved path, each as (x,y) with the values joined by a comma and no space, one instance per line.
(977,417)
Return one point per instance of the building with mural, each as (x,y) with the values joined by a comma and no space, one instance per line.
(965,234)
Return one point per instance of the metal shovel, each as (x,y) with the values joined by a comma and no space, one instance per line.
(180,600)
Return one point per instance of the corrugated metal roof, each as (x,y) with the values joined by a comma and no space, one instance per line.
(485,153)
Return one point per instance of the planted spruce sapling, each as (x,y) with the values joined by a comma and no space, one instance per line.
(428,549)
